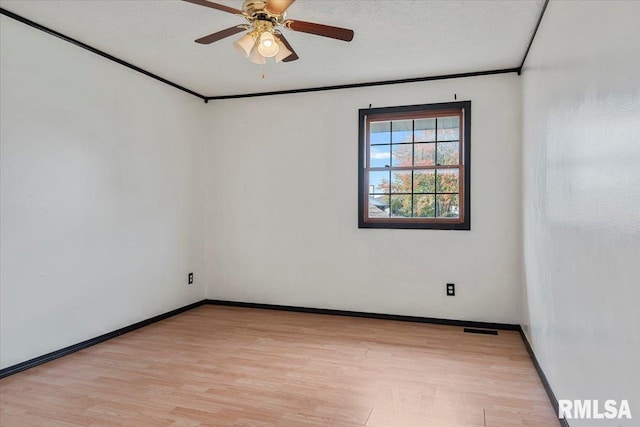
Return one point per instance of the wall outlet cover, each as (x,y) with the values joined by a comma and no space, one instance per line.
(451,289)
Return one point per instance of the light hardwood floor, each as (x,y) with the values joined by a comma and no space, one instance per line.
(227,366)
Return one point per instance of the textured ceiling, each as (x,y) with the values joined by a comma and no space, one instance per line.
(393,39)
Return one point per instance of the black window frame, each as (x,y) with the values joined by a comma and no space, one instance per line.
(460,223)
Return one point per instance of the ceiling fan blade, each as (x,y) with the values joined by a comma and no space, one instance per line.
(216,6)
(293,55)
(320,30)
(220,35)
(278,7)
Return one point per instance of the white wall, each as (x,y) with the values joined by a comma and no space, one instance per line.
(101,195)
(581,198)
(282,225)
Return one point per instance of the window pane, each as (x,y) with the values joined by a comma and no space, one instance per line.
(379,207)
(379,156)
(378,182)
(448,128)
(447,206)
(424,206)
(401,206)
(448,153)
(380,133)
(447,181)
(424,181)
(401,131)
(401,155)
(401,182)
(425,130)
(424,154)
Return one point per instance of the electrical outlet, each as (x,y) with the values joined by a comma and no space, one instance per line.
(451,289)
(190,278)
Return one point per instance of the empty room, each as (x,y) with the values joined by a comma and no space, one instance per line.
(329,213)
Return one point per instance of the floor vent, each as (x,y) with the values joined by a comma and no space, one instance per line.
(481,331)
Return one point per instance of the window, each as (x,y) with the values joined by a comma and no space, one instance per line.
(414,167)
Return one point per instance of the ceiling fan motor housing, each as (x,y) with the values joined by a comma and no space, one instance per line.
(252,7)
(256,10)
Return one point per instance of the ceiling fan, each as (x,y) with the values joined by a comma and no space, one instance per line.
(264,39)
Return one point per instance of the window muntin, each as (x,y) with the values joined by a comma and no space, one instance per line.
(414,166)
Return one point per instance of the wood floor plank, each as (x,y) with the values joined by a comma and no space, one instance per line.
(229,366)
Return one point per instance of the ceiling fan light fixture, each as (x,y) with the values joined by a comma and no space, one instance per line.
(245,44)
(283,52)
(267,45)
(256,57)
